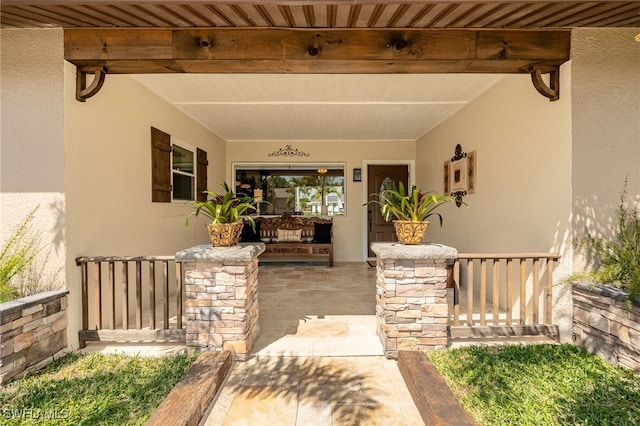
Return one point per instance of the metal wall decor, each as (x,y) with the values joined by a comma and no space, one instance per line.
(460,174)
(287,151)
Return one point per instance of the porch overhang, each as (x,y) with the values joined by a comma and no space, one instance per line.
(331,37)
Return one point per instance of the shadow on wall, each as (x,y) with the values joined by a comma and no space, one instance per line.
(594,217)
(57,210)
(40,239)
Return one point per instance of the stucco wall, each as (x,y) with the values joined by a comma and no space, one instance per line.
(523,145)
(349,231)
(108,181)
(32,149)
(523,188)
(606,124)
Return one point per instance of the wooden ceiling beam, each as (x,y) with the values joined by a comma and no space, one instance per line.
(328,51)
(267,50)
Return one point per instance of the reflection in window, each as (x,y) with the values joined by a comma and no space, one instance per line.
(309,192)
(183,174)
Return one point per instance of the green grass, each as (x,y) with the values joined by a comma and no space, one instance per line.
(92,389)
(540,385)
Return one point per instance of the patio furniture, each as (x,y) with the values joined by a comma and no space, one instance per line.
(292,237)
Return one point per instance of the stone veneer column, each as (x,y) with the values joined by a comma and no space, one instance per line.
(411,297)
(221,305)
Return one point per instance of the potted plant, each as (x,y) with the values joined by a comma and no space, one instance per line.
(410,209)
(226,211)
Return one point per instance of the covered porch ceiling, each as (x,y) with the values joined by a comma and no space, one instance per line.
(318,14)
(317,70)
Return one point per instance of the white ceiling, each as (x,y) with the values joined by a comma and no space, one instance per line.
(295,107)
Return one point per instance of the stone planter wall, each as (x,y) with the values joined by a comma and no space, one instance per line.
(33,333)
(605,324)
(221,304)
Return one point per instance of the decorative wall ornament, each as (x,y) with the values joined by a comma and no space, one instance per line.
(287,151)
(460,174)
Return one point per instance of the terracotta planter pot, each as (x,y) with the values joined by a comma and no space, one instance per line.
(409,232)
(225,234)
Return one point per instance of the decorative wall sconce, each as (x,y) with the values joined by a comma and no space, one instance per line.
(357,175)
(460,174)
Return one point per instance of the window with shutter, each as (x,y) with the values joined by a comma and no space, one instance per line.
(160,166)
(176,172)
(201,176)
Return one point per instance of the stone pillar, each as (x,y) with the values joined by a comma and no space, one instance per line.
(221,304)
(411,297)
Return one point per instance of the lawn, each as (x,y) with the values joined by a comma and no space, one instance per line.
(540,385)
(92,389)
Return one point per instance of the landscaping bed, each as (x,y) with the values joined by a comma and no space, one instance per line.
(540,385)
(93,389)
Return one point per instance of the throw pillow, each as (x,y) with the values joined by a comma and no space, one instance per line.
(322,233)
(289,235)
(248,235)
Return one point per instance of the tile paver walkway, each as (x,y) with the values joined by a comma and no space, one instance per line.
(305,391)
(318,360)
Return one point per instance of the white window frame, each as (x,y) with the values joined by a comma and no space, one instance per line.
(193,175)
(252,165)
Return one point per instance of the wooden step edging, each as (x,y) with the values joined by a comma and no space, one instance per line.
(190,398)
(433,398)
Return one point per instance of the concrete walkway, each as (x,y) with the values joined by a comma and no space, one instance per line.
(317,360)
(305,391)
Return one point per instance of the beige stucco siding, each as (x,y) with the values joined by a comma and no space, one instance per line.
(523,191)
(606,124)
(523,145)
(32,159)
(108,178)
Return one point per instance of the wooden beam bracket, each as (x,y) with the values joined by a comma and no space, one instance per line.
(83,92)
(552,90)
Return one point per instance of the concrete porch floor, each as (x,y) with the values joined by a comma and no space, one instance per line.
(315,310)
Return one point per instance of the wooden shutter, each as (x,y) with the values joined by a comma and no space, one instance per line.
(201,177)
(160,166)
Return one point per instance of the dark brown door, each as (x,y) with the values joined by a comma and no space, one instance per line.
(381,177)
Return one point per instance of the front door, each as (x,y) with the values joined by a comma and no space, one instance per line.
(380,177)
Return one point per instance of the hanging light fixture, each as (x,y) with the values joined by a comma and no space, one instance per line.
(322,171)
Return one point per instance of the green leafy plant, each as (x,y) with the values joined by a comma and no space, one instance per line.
(317,187)
(224,207)
(16,255)
(412,205)
(617,258)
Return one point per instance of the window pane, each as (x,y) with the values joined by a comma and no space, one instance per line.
(309,192)
(182,159)
(182,187)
